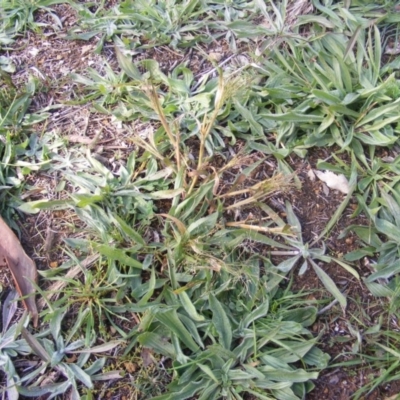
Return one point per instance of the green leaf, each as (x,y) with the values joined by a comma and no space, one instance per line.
(188,206)
(189,307)
(327,98)
(170,319)
(116,254)
(389,229)
(386,272)
(131,233)
(80,374)
(127,66)
(203,225)
(298,375)
(293,220)
(329,284)
(379,290)
(165,194)
(33,207)
(346,267)
(392,206)
(158,343)
(287,265)
(150,290)
(221,322)
(34,344)
(257,313)
(207,370)
(248,116)
(374,114)
(293,117)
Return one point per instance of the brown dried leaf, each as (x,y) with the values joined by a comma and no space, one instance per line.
(130,367)
(79,139)
(147,357)
(23,269)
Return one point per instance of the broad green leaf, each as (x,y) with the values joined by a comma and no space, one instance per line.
(387,228)
(130,232)
(116,254)
(293,220)
(165,194)
(259,312)
(81,375)
(158,343)
(287,265)
(378,112)
(189,307)
(55,322)
(316,357)
(221,322)
(170,319)
(379,290)
(386,272)
(37,392)
(305,316)
(329,284)
(299,375)
(382,123)
(347,267)
(246,113)
(212,392)
(192,328)
(33,207)
(393,206)
(127,65)
(35,345)
(207,370)
(203,225)
(293,117)
(327,98)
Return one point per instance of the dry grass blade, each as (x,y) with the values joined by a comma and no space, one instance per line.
(278,229)
(37,348)
(259,191)
(23,269)
(174,138)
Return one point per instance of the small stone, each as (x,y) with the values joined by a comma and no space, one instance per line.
(334,379)
(215,56)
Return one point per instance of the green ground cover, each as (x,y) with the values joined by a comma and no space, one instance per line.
(173,256)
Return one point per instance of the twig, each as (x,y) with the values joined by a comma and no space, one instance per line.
(328,307)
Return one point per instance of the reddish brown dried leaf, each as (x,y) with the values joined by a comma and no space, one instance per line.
(23,269)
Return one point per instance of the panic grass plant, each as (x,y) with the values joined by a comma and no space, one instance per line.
(334,93)
(17,16)
(308,254)
(31,381)
(141,25)
(168,252)
(381,238)
(21,150)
